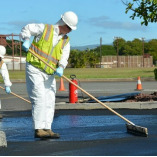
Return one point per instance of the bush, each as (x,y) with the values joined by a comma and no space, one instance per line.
(155,73)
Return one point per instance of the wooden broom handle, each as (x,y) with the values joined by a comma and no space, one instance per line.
(17,96)
(82,89)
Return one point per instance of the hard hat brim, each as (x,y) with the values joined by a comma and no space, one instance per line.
(73,28)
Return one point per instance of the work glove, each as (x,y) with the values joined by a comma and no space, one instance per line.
(59,71)
(7,89)
(26,45)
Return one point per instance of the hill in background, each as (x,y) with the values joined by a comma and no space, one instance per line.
(81,48)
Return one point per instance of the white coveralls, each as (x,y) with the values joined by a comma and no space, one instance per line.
(41,87)
(5,75)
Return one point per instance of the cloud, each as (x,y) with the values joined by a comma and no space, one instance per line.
(16,24)
(105,22)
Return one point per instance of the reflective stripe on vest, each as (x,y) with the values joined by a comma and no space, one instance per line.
(43,54)
(48,31)
(65,38)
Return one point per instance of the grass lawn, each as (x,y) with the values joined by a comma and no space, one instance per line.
(96,73)
(90,73)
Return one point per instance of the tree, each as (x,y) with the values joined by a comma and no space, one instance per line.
(131,48)
(92,58)
(118,44)
(73,59)
(106,50)
(151,48)
(145,9)
(77,59)
(81,59)
(137,47)
(126,49)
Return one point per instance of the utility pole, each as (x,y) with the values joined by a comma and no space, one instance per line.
(117,55)
(143,50)
(116,39)
(142,39)
(100,51)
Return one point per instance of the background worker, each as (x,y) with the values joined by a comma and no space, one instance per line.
(4,70)
(51,44)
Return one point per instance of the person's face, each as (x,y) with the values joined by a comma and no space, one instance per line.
(64,29)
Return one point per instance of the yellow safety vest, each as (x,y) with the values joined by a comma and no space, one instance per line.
(45,50)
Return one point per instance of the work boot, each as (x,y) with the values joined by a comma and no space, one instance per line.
(52,134)
(40,133)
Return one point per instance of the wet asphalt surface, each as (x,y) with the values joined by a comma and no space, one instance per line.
(83,132)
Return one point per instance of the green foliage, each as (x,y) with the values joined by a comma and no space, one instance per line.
(81,59)
(136,47)
(119,44)
(126,48)
(77,59)
(155,73)
(16,49)
(143,9)
(92,58)
(106,50)
(151,48)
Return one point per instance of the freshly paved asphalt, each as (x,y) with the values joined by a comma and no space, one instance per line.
(83,132)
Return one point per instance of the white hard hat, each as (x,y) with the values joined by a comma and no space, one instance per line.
(2,51)
(71,19)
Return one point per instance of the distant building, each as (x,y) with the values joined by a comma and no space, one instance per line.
(15,63)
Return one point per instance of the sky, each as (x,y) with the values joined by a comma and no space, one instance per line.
(104,19)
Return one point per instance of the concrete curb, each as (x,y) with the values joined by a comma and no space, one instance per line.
(97,80)
(119,105)
(3,141)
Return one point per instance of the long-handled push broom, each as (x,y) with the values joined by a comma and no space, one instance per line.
(17,96)
(131,127)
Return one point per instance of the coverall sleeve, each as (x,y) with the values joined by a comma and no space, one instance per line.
(5,75)
(32,30)
(65,55)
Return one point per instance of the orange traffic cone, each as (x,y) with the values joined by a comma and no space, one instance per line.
(62,85)
(139,85)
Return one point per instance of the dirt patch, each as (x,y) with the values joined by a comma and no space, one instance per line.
(143,97)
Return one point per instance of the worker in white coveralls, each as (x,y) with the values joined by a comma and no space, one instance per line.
(51,44)
(4,70)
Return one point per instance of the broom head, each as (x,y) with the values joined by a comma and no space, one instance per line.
(137,130)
